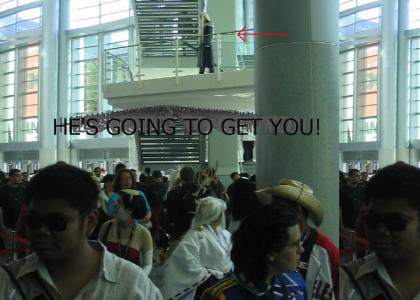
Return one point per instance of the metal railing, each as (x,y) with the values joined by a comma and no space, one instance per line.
(175,59)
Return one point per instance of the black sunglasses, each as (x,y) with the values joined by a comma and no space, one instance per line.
(54,222)
(394,222)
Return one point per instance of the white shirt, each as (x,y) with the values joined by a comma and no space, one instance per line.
(250,136)
(118,280)
(371,263)
(200,254)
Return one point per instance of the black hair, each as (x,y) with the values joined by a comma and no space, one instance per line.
(147,171)
(60,180)
(108,178)
(2,177)
(341,176)
(233,174)
(187,174)
(119,167)
(243,199)
(245,175)
(97,168)
(13,172)
(398,180)
(352,172)
(157,174)
(143,178)
(253,178)
(134,203)
(211,172)
(262,232)
(117,180)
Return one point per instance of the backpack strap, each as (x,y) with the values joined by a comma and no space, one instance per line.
(379,281)
(42,284)
(354,281)
(28,283)
(15,281)
(308,245)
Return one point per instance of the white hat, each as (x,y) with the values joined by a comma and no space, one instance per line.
(300,193)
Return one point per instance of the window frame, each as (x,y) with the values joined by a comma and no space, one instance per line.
(99,30)
(101,26)
(19,90)
(356,133)
(18,9)
(357,9)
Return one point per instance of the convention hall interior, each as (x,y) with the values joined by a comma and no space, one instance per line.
(351,67)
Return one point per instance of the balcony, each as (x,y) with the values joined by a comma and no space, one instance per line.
(134,78)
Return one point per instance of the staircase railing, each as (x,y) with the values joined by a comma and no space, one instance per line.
(127,63)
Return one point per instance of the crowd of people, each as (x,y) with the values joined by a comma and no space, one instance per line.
(102,236)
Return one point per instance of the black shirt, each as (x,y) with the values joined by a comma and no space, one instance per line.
(180,205)
(351,201)
(156,192)
(11,200)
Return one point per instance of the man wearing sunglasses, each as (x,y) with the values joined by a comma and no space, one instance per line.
(392,271)
(62,213)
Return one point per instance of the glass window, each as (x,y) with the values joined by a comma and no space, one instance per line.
(85,13)
(367,92)
(359,88)
(9,4)
(85,74)
(28,94)
(347,4)
(346,96)
(21,21)
(414,14)
(19,100)
(118,60)
(86,77)
(415,87)
(7,93)
(29,129)
(355,16)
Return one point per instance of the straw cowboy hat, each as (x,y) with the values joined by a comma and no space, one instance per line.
(300,193)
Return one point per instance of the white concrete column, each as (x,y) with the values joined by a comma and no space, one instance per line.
(133,157)
(74,157)
(63,141)
(49,78)
(387,108)
(403,135)
(297,76)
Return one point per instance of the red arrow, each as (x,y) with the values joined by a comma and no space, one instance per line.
(242,33)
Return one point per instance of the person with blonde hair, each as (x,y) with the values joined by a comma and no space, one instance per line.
(203,255)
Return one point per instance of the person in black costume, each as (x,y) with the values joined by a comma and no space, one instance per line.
(206,52)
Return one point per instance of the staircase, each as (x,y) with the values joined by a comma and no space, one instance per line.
(160,22)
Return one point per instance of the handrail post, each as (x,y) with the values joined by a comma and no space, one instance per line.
(219,55)
(104,67)
(177,60)
(139,62)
